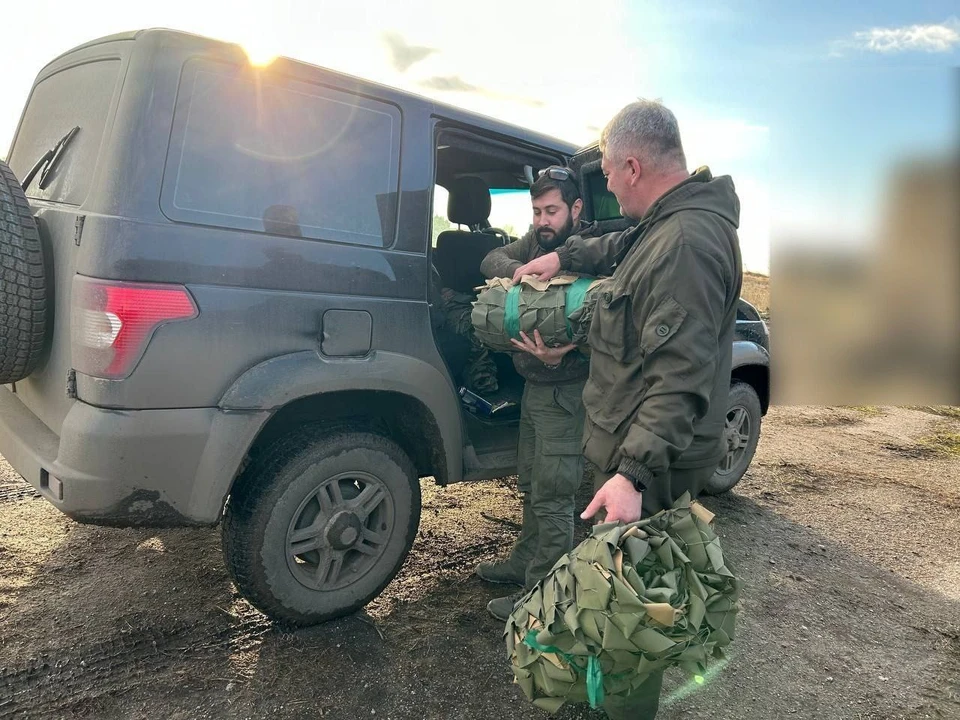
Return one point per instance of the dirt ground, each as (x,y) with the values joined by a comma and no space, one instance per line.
(845,533)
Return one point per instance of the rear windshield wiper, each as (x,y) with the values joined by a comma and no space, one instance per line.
(48,161)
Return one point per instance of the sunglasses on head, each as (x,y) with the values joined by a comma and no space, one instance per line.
(556,173)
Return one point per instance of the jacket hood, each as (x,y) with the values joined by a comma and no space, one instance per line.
(701,191)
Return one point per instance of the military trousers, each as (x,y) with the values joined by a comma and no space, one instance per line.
(644,702)
(550,470)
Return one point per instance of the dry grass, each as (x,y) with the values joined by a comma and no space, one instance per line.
(947,411)
(866,409)
(943,443)
(756,291)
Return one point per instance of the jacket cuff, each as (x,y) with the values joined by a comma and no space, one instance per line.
(563,252)
(638,473)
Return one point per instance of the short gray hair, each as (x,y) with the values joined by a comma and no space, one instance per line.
(648,130)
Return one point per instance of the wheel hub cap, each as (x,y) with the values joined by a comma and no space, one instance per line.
(733,440)
(340,531)
(343,530)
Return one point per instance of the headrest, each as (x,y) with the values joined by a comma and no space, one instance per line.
(469,201)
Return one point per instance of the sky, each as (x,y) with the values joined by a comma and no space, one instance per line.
(808,106)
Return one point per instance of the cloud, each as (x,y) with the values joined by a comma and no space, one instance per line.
(403,55)
(532,102)
(711,139)
(940,38)
(456,84)
(449,83)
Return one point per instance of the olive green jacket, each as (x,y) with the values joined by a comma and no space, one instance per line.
(661,338)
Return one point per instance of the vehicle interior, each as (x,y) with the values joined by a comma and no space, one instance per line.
(481,202)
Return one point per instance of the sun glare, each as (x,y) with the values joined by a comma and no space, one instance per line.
(260,53)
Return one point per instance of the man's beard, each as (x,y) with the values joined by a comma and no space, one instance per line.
(552,240)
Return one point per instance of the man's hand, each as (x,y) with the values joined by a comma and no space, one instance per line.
(537,348)
(544,267)
(620,499)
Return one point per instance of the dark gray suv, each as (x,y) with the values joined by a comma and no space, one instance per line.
(220,304)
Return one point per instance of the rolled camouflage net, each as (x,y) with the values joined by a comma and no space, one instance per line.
(629,600)
(560,308)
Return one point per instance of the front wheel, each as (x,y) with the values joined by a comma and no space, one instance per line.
(319,523)
(741,435)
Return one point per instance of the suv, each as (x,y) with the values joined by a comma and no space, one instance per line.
(220,304)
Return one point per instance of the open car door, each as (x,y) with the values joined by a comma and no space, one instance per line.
(598,203)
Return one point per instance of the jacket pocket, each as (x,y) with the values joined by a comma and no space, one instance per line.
(608,411)
(662,324)
(601,448)
(612,330)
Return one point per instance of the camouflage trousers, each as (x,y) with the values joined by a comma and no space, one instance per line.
(550,469)
(479,372)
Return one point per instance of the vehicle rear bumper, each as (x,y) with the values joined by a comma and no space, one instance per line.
(130,467)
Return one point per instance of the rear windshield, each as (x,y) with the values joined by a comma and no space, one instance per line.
(256,151)
(77,96)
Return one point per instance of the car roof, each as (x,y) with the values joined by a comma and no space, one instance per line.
(374,89)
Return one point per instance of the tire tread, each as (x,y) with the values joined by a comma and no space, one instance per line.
(23,283)
(262,483)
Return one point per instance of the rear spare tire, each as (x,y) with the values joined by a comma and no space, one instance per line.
(23,285)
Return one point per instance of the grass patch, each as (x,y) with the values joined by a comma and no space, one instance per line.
(756,291)
(947,411)
(943,443)
(865,409)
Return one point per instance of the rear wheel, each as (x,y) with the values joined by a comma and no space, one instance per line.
(23,287)
(741,435)
(320,522)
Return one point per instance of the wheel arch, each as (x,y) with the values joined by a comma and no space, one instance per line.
(751,365)
(397,395)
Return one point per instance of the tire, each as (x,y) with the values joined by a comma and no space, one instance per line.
(23,284)
(742,433)
(303,491)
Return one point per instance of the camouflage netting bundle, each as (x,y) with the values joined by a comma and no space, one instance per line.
(629,600)
(560,308)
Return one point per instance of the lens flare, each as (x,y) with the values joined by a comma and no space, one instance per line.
(260,52)
(695,683)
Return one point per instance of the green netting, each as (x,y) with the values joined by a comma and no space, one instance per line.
(628,601)
(560,309)
(573,301)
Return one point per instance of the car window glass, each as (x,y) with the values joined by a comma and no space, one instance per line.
(604,202)
(77,96)
(510,210)
(260,152)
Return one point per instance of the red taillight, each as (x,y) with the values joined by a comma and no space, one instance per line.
(113,322)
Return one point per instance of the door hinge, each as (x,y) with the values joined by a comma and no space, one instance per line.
(78,229)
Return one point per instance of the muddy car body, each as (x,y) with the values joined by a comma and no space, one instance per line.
(226,308)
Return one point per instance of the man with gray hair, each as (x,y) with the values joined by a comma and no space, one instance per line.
(661,337)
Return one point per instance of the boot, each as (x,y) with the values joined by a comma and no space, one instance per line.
(505,573)
(501,607)
(513,570)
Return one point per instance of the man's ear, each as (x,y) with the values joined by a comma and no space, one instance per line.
(576,209)
(636,170)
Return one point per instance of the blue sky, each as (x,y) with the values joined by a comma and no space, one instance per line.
(807,105)
(845,92)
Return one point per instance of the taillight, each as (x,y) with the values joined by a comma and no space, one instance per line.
(112,322)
